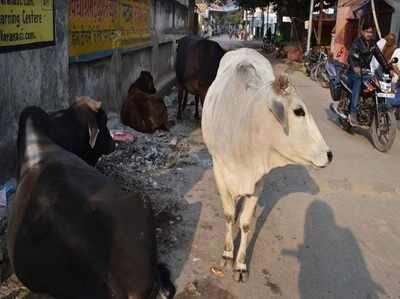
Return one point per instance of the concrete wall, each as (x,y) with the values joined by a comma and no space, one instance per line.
(44,77)
(31,77)
(164,16)
(180,16)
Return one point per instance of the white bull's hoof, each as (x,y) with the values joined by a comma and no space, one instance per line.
(241,275)
(226,262)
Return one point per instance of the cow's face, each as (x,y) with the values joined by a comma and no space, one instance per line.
(300,140)
(94,117)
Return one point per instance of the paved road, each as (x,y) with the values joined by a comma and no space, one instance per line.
(333,233)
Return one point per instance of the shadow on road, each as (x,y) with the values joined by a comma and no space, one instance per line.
(362,132)
(332,264)
(279,183)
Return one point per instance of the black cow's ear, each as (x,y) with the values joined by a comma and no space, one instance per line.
(93,126)
(93,133)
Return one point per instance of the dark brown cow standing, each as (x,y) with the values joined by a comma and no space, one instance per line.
(197,62)
(142,110)
(72,233)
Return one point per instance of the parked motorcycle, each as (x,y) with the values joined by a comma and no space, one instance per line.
(374,110)
(310,59)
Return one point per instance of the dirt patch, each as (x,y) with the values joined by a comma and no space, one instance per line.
(268,282)
(204,289)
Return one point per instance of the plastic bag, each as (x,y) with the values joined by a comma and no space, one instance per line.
(6,191)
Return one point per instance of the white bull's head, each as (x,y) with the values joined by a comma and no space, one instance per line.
(299,139)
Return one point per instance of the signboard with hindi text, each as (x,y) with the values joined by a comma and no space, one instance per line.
(98,27)
(26,24)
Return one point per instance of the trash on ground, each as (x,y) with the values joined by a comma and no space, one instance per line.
(122,136)
(217,272)
(6,191)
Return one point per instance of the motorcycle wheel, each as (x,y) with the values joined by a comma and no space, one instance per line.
(383,130)
(313,72)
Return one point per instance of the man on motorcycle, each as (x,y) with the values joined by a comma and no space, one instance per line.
(359,59)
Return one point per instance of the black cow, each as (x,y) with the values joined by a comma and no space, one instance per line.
(82,130)
(197,62)
(72,233)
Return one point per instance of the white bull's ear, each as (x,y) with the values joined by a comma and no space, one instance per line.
(248,74)
(279,110)
(281,84)
(275,101)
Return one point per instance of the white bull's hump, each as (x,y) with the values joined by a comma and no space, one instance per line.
(234,58)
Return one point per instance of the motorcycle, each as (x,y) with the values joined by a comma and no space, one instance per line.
(374,111)
(310,59)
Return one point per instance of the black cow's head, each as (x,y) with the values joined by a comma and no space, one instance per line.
(97,136)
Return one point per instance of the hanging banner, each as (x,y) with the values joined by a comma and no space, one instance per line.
(26,24)
(98,27)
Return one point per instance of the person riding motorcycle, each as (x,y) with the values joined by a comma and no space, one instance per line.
(360,56)
(359,59)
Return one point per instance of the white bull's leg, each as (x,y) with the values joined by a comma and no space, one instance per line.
(229,212)
(228,205)
(240,271)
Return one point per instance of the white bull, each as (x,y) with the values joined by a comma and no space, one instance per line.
(251,124)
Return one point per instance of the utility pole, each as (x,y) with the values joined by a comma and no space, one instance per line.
(310,26)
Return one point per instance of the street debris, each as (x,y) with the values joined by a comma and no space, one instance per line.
(217,272)
(122,136)
(268,282)
(206,288)
(5,265)
(6,191)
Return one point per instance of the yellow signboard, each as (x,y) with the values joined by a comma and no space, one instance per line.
(26,23)
(97,27)
(134,22)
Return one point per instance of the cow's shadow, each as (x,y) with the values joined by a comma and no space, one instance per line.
(280,182)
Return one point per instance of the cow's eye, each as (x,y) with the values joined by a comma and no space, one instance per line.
(299,112)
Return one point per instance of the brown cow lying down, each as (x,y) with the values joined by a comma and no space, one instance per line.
(82,130)
(72,233)
(142,110)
